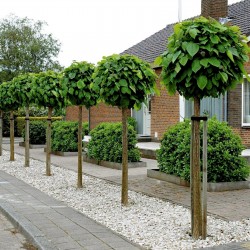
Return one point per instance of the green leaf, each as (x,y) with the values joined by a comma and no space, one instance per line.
(175,56)
(72,75)
(80,84)
(202,82)
(214,61)
(204,62)
(215,39)
(196,65)
(139,74)
(224,76)
(193,32)
(123,83)
(230,55)
(192,48)
(158,61)
(177,68)
(183,61)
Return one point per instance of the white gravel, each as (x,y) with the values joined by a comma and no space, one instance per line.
(150,222)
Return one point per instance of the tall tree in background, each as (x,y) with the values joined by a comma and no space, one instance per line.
(25,48)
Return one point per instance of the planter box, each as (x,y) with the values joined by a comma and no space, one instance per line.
(61,153)
(113,165)
(211,187)
(32,146)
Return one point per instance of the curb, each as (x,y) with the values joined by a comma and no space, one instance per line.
(31,232)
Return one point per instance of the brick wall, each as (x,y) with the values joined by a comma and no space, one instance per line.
(165,111)
(215,8)
(235,111)
(98,114)
(72,113)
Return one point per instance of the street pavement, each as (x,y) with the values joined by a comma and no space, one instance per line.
(228,205)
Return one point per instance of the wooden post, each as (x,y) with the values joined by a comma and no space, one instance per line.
(1,132)
(48,142)
(12,157)
(27,138)
(204,182)
(124,158)
(195,185)
(79,179)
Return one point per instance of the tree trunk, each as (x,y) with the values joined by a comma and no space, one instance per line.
(1,132)
(27,138)
(124,158)
(196,212)
(12,157)
(79,179)
(48,142)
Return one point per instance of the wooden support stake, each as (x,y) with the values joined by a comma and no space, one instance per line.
(1,132)
(79,179)
(48,143)
(204,183)
(27,138)
(12,157)
(195,185)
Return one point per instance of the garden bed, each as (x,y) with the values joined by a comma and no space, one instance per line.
(113,165)
(211,187)
(32,146)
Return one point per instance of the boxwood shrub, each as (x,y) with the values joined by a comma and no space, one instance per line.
(37,132)
(21,121)
(224,149)
(106,143)
(64,135)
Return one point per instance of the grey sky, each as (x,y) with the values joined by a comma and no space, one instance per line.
(90,29)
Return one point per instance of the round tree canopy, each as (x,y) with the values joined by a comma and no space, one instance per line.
(76,82)
(8,102)
(23,89)
(124,81)
(48,90)
(204,58)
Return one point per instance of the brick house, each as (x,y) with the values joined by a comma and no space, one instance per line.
(164,110)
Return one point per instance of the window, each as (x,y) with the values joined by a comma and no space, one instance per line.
(246,103)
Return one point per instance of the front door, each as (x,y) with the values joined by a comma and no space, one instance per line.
(143,119)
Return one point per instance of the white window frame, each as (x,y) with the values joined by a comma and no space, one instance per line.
(244,124)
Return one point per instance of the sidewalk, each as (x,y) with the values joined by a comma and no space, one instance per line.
(50,224)
(232,205)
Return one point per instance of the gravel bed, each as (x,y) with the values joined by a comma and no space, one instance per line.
(150,222)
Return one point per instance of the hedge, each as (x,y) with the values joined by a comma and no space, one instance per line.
(64,135)
(224,149)
(106,143)
(37,133)
(21,122)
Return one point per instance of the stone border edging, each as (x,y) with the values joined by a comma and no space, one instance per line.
(114,165)
(32,146)
(31,232)
(211,187)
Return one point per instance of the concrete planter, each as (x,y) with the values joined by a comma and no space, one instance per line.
(32,146)
(113,165)
(211,187)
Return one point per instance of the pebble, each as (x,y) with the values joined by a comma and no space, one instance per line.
(148,221)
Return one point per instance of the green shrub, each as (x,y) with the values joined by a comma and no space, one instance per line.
(106,143)
(132,121)
(223,154)
(37,132)
(21,122)
(64,135)
(6,125)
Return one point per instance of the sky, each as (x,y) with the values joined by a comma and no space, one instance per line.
(91,29)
